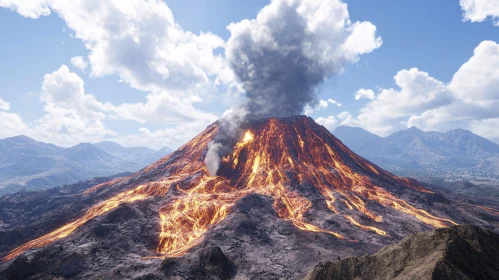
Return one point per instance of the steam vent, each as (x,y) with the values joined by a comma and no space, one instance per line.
(289,196)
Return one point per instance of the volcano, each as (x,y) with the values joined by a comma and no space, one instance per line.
(290,195)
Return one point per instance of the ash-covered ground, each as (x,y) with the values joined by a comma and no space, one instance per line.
(248,223)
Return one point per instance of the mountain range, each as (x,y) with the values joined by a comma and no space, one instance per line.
(26,163)
(455,155)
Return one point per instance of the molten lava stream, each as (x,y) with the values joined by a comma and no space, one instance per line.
(377,230)
(268,161)
(140,193)
(186,219)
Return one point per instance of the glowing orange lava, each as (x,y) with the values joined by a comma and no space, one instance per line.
(273,158)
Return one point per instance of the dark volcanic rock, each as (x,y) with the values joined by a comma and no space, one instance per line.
(321,202)
(215,263)
(460,252)
(122,213)
(71,265)
(210,263)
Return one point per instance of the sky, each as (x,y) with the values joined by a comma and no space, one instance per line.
(155,73)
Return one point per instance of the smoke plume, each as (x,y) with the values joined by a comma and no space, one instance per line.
(282,56)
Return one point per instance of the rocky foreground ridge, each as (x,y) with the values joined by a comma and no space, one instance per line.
(459,252)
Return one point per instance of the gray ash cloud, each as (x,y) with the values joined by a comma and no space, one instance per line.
(282,56)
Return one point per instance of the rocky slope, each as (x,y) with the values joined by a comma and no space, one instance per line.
(460,252)
(289,196)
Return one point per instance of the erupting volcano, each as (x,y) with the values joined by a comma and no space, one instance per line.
(315,184)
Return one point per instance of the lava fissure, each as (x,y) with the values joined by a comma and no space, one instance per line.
(273,158)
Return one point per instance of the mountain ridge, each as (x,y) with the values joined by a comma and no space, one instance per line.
(459,252)
(27,163)
(456,154)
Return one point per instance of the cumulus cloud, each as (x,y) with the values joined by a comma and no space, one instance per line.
(4,105)
(31,8)
(488,128)
(364,93)
(64,89)
(79,62)
(137,40)
(328,122)
(322,104)
(140,42)
(343,118)
(179,110)
(11,124)
(418,92)
(470,100)
(291,47)
(480,10)
(72,115)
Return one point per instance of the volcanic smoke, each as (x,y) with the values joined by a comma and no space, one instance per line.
(281,57)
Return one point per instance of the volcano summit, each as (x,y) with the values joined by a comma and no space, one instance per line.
(289,196)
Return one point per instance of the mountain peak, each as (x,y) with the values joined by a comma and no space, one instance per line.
(414,128)
(20,138)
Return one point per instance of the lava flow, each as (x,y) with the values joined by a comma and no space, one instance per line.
(276,158)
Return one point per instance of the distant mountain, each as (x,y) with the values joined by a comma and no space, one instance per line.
(142,155)
(96,160)
(459,252)
(457,154)
(21,148)
(117,150)
(26,163)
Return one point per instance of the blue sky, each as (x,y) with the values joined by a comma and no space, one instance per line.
(436,37)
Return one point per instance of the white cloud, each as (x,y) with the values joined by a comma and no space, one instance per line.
(488,128)
(329,122)
(343,118)
(364,93)
(479,10)
(470,100)
(140,42)
(389,110)
(322,104)
(4,105)
(170,137)
(79,62)
(27,8)
(11,125)
(73,116)
(478,78)
(64,89)
(137,40)
(179,110)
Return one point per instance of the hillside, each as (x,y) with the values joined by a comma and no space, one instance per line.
(460,252)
